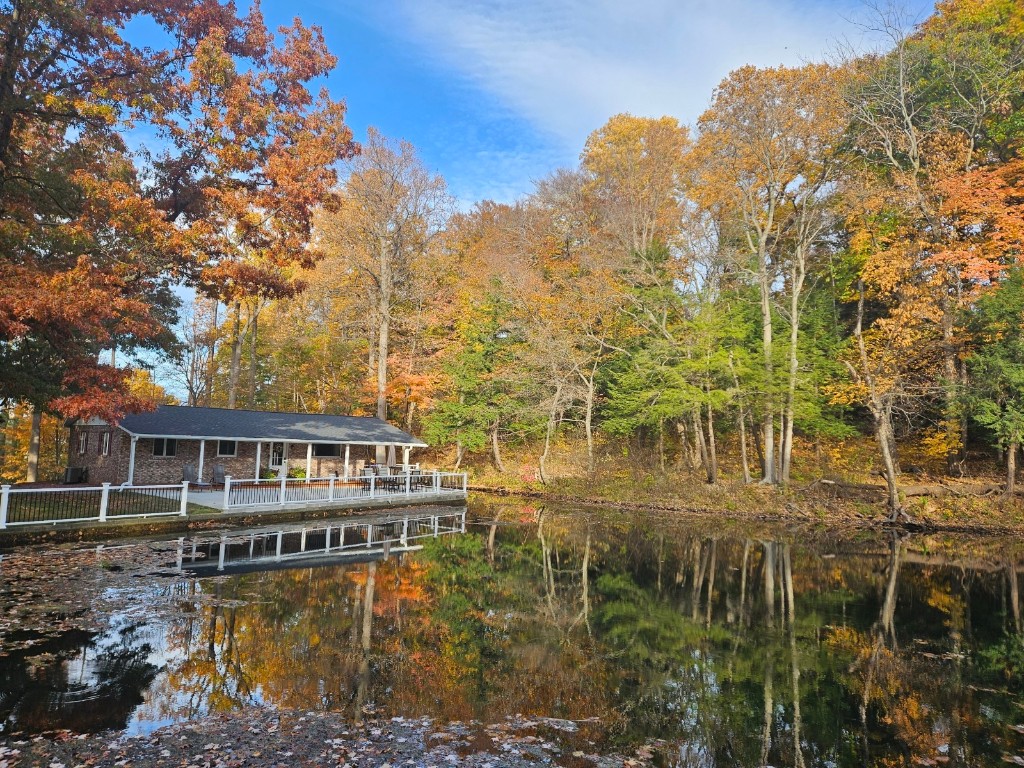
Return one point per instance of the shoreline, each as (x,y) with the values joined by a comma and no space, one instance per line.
(264,737)
(832,511)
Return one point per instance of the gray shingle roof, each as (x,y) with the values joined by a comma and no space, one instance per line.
(233,424)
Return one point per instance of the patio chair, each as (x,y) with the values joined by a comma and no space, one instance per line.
(218,474)
(189,473)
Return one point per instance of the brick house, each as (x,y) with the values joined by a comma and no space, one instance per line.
(176,442)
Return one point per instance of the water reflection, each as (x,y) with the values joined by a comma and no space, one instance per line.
(730,649)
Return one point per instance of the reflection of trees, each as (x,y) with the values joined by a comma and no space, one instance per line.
(738,651)
(84,682)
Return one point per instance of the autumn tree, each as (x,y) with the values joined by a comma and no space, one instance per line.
(926,110)
(92,237)
(766,161)
(85,254)
(267,163)
(391,208)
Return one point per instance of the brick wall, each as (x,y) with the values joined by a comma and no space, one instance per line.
(112,468)
(167,470)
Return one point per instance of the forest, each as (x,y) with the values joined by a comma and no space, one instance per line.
(827,258)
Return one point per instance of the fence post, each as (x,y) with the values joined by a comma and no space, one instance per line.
(104,499)
(284,480)
(330,489)
(465,482)
(5,497)
(405,532)
(227,491)
(435,526)
(408,482)
(373,482)
(184,498)
(437,481)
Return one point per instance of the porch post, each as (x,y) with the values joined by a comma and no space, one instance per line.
(347,446)
(309,460)
(259,450)
(131,461)
(405,457)
(202,458)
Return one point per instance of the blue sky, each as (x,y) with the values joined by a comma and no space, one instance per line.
(497,93)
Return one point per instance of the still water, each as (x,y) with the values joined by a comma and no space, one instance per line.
(720,646)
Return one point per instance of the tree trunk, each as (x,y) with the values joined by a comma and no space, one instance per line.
(797,277)
(758,443)
(661,445)
(32,470)
(459,451)
(685,455)
(884,433)
(768,429)
(496,448)
(383,337)
(740,423)
(383,332)
(779,448)
(701,442)
(236,355)
(211,362)
(253,337)
(1011,469)
(550,432)
(712,450)
(588,420)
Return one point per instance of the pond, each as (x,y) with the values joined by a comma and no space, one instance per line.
(716,644)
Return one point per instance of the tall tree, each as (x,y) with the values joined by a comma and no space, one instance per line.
(391,209)
(767,159)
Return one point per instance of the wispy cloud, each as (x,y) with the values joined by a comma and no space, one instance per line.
(567,67)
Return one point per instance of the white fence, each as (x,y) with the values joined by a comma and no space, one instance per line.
(291,491)
(50,506)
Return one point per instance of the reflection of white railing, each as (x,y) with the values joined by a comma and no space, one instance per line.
(377,537)
(50,506)
(286,491)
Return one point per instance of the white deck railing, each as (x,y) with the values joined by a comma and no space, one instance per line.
(50,506)
(316,490)
(317,539)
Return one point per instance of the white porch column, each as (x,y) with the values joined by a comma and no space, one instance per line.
(259,450)
(309,460)
(131,461)
(405,457)
(346,461)
(202,458)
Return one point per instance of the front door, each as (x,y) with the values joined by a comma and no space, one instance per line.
(276,455)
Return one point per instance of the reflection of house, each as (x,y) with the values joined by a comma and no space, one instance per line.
(180,442)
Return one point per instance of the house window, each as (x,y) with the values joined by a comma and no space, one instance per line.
(227,448)
(105,444)
(165,446)
(326,449)
(83,443)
